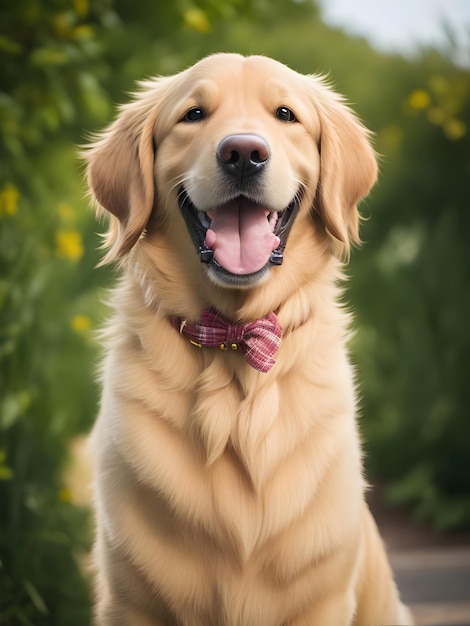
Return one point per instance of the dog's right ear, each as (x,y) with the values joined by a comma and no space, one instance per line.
(348,165)
(120,165)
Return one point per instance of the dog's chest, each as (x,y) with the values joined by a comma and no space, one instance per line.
(223,480)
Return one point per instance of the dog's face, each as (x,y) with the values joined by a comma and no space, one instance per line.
(249,155)
(238,151)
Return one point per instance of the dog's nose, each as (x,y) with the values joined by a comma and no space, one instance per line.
(243,155)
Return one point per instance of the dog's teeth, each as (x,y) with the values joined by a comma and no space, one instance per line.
(272,219)
(205,219)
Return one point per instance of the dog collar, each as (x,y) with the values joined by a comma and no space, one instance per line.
(258,341)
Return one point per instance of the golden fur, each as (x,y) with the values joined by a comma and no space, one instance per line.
(226,496)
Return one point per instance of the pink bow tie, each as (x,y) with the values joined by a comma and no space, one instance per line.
(258,341)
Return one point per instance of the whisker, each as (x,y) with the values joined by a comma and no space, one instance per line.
(178,181)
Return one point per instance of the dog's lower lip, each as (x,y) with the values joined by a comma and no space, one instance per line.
(237,280)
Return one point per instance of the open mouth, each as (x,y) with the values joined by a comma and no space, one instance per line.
(239,239)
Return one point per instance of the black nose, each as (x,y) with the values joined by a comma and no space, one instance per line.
(243,155)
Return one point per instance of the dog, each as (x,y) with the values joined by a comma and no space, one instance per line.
(228,471)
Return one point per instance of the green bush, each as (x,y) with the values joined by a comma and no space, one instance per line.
(48,310)
(413,301)
(48,296)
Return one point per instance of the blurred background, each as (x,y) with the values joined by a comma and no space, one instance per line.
(405,67)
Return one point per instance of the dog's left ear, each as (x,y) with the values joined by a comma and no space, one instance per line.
(348,167)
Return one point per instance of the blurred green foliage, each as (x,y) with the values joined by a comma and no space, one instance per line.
(414,344)
(48,54)
(63,63)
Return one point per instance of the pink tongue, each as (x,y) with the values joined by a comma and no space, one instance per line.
(241,237)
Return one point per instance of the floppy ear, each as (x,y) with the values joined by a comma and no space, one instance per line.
(348,167)
(120,170)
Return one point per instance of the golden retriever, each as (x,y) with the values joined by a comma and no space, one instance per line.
(229,487)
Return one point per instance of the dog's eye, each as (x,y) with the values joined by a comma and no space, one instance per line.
(193,115)
(285,115)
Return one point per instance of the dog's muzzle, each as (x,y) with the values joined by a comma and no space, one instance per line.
(240,238)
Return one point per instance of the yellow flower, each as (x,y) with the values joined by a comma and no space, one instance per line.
(81,323)
(419,99)
(197,20)
(69,244)
(9,197)
(455,129)
(61,24)
(81,7)
(65,494)
(84,31)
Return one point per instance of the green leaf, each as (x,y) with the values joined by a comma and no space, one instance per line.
(4,290)
(35,597)
(48,56)
(6,473)
(9,46)
(94,97)
(12,407)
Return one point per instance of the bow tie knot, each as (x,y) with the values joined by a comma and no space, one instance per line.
(258,341)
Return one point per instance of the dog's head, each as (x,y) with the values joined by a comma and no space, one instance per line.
(235,149)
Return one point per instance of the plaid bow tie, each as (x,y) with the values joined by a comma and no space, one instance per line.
(258,341)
